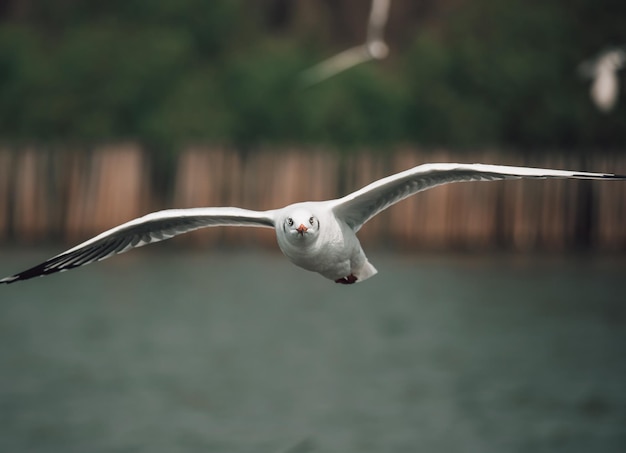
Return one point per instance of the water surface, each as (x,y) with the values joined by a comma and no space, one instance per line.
(163,351)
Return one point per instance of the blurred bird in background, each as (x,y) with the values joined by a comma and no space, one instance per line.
(603,71)
(374,48)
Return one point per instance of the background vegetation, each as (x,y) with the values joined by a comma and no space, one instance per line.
(462,73)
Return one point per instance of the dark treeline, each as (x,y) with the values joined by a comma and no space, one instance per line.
(169,73)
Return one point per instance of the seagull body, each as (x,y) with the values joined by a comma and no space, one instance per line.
(319,236)
(335,252)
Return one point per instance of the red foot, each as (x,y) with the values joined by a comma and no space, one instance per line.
(347,280)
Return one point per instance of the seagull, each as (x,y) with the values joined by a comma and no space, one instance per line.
(603,71)
(319,236)
(374,48)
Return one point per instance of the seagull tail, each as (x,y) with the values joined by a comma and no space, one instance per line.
(366,271)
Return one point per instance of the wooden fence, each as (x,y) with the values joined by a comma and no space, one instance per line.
(74,195)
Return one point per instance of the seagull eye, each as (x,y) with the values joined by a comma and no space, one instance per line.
(290,221)
(312,220)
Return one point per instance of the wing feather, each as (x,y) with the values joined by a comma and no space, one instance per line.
(360,206)
(150,228)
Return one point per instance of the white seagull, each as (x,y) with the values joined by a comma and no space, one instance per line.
(319,236)
(373,48)
(603,70)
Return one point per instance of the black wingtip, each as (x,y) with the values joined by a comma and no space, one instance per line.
(21,276)
(600,176)
(36,271)
(606,176)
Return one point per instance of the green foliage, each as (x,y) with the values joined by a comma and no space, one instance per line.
(168,73)
(504,74)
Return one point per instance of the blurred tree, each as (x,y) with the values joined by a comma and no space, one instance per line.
(460,73)
(505,73)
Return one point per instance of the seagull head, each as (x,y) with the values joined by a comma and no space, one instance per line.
(301,224)
(612,60)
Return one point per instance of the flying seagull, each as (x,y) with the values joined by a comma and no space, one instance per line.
(603,72)
(319,236)
(374,48)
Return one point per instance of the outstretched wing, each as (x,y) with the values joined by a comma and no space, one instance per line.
(378,19)
(360,206)
(150,228)
(334,65)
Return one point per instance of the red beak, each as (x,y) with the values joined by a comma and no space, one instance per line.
(301,229)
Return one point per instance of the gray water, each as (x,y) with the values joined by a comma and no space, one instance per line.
(164,351)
